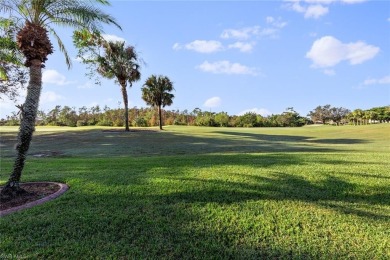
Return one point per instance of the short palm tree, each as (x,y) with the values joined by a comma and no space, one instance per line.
(39,17)
(156,93)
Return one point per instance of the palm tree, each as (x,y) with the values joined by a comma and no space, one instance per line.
(33,41)
(117,61)
(120,62)
(155,92)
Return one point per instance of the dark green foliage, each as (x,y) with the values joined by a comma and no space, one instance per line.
(65,116)
(156,92)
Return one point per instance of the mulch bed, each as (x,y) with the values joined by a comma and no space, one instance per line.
(35,191)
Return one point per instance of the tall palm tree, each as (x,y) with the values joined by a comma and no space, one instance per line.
(33,41)
(156,93)
(120,62)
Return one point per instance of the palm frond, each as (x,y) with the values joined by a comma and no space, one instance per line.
(62,47)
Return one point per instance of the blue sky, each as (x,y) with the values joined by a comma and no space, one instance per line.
(239,56)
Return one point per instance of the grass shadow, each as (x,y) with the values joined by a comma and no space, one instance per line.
(98,143)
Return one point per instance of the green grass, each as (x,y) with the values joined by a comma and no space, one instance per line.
(205,193)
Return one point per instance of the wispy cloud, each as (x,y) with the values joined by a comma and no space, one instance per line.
(50,97)
(329,51)
(316,11)
(276,22)
(381,81)
(315,8)
(242,46)
(271,29)
(241,34)
(200,46)
(54,77)
(213,102)
(227,67)
(245,38)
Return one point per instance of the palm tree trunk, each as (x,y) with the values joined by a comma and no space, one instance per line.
(160,117)
(26,129)
(126,102)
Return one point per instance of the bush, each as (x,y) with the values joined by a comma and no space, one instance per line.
(105,123)
(140,122)
(81,123)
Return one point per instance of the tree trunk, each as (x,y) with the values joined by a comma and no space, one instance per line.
(160,117)
(26,129)
(126,102)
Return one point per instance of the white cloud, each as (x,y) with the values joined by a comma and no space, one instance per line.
(204,46)
(242,46)
(54,77)
(241,34)
(309,11)
(200,46)
(50,97)
(259,111)
(316,11)
(329,51)
(177,46)
(315,8)
(381,81)
(226,67)
(213,102)
(276,22)
(274,25)
(113,38)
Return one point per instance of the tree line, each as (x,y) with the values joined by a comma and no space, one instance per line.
(147,117)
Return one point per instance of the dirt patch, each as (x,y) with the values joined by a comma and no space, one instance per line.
(36,193)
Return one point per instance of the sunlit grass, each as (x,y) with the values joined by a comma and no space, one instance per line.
(202,193)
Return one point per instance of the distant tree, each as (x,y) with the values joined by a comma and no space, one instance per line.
(337,114)
(249,119)
(52,117)
(222,119)
(386,114)
(33,41)
(68,116)
(320,114)
(156,92)
(356,116)
(117,61)
(205,118)
(290,118)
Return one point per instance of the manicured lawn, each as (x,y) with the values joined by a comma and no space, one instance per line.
(205,193)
